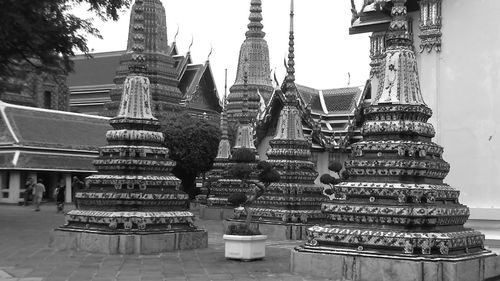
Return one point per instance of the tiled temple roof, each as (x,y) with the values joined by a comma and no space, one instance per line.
(97,73)
(96,70)
(34,138)
(332,110)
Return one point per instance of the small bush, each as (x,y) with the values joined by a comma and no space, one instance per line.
(335,166)
(265,166)
(243,155)
(326,179)
(240,171)
(241,229)
(236,199)
(269,176)
(329,191)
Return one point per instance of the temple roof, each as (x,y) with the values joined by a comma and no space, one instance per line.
(373,17)
(93,71)
(333,111)
(98,72)
(335,101)
(37,138)
(192,79)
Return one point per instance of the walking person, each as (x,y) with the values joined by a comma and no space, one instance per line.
(76,185)
(38,191)
(60,194)
(28,190)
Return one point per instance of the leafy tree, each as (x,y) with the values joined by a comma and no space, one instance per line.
(45,34)
(193,144)
(242,171)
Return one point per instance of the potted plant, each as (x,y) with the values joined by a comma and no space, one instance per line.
(241,240)
(339,176)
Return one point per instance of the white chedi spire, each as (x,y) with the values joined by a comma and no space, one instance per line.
(136,99)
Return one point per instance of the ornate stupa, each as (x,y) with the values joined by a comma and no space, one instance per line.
(221,163)
(222,182)
(295,199)
(134,192)
(147,44)
(253,62)
(395,205)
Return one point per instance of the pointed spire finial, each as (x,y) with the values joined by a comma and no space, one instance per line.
(255,26)
(225,88)
(290,77)
(245,73)
(223,117)
(244,109)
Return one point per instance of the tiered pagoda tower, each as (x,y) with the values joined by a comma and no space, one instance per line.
(219,171)
(295,199)
(147,43)
(222,183)
(133,204)
(395,210)
(253,62)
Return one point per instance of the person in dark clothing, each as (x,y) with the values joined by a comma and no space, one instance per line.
(28,190)
(60,194)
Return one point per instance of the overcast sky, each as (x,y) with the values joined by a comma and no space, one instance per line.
(325,52)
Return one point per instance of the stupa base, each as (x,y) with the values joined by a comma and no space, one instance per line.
(276,230)
(215,213)
(125,244)
(355,266)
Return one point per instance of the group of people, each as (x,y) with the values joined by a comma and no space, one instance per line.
(36,190)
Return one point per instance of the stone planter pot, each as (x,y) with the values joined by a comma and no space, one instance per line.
(245,247)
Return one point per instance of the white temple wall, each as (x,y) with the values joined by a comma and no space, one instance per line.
(461,84)
(263,147)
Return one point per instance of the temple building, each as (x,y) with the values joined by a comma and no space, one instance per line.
(134,204)
(30,86)
(254,63)
(176,83)
(459,81)
(47,144)
(330,121)
(394,218)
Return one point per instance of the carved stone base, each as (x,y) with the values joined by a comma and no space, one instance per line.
(343,265)
(276,230)
(128,244)
(216,213)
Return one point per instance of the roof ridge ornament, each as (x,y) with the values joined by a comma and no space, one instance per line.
(191,44)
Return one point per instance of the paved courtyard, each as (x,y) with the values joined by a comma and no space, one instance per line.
(25,256)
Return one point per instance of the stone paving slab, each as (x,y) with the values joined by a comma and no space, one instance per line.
(25,256)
